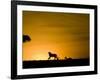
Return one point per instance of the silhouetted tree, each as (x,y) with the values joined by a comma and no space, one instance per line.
(26,38)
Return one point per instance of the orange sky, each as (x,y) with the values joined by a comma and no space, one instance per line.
(66,34)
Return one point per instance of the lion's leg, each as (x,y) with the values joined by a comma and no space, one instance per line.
(49,57)
(57,58)
(54,58)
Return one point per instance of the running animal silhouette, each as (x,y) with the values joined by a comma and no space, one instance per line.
(52,55)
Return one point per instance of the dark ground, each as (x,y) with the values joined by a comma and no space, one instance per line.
(55,63)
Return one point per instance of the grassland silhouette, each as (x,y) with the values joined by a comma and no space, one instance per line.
(55,62)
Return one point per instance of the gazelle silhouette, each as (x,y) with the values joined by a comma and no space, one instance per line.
(52,55)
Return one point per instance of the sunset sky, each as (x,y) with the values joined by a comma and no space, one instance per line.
(66,34)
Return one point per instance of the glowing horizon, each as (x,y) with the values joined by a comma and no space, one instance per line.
(66,34)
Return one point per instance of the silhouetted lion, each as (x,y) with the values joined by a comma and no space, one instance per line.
(52,55)
(26,38)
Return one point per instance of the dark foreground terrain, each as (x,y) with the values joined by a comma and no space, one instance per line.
(55,63)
